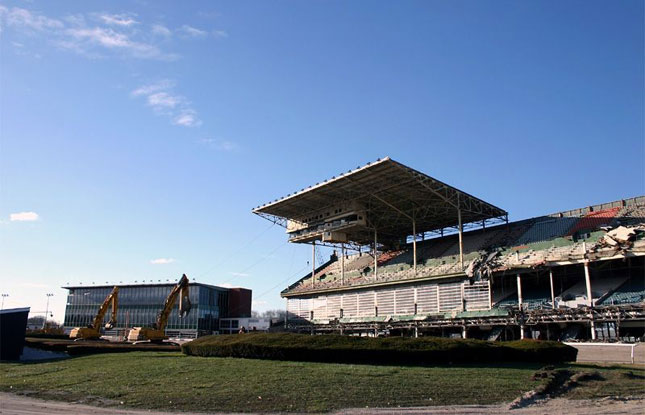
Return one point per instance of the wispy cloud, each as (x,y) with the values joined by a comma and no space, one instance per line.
(220,145)
(220,33)
(107,33)
(24,217)
(187,118)
(161,98)
(24,19)
(124,19)
(239,274)
(160,30)
(192,31)
(162,261)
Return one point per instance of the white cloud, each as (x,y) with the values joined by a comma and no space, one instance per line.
(161,30)
(74,34)
(24,217)
(84,39)
(162,261)
(23,18)
(220,33)
(151,88)
(187,118)
(118,19)
(192,31)
(162,100)
(239,274)
(221,145)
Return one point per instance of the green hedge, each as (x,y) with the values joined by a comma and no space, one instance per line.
(386,350)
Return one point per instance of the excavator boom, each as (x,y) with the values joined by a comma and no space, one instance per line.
(94,330)
(156,333)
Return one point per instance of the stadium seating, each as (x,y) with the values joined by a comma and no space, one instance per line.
(594,220)
(632,291)
(546,229)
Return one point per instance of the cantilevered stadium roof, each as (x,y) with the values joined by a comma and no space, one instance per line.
(392,194)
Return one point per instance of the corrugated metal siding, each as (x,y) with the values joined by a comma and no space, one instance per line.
(427,299)
(404,300)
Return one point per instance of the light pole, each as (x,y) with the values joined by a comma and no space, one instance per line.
(3,297)
(47,310)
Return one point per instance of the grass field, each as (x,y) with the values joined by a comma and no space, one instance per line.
(173,381)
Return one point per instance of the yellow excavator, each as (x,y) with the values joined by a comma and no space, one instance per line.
(93,332)
(157,333)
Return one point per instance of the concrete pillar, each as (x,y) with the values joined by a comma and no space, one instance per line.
(588,283)
(552,290)
(519,290)
(414,243)
(464,332)
(461,239)
(375,256)
(313,263)
(342,264)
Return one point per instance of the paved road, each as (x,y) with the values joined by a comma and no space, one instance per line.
(609,352)
(20,405)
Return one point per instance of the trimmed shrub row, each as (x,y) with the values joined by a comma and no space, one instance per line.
(386,350)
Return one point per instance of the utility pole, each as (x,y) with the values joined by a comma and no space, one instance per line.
(3,297)
(47,310)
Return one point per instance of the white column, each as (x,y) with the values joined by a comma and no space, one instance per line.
(375,264)
(342,264)
(313,263)
(490,294)
(588,283)
(519,290)
(414,243)
(464,333)
(552,290)
(461,239)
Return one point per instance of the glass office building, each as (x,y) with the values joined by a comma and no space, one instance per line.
(139,305)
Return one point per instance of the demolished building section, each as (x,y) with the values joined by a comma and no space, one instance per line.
(574,274)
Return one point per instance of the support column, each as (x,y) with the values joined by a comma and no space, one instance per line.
(375,257)
(342,264)
(588,283)
(313,263)
(414,242)
(461,238)
(464,332)
(519,290)
(490,293)
(590,299)
(552,290)
(519,300)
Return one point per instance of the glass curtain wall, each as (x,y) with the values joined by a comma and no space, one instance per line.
(140,305)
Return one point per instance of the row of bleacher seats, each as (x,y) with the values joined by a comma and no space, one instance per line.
(525,242)
(631,291)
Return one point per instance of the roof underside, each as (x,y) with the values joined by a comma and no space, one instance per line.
(392,195)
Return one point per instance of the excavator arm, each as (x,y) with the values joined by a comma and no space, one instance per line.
(180,290)
(93,331)
(156,333)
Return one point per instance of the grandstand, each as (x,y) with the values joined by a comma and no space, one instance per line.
(415,256)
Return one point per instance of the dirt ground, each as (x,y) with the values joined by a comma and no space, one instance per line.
(20,405)
(609,353)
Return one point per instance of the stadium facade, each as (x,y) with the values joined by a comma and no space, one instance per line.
(139,304)
(415,256)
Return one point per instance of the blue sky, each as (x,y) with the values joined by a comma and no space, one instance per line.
(136,137)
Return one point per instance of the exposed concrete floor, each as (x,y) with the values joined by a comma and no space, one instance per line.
(19,405)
